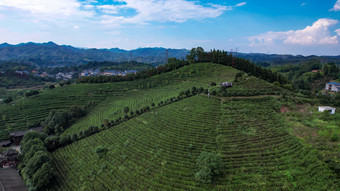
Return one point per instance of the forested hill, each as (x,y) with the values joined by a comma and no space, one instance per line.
(281,59)
(51,54)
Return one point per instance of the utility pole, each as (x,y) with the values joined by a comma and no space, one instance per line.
(232,58)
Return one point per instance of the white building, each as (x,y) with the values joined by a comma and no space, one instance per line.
(327,108)
(333,87)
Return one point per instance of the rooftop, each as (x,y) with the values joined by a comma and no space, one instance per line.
(334,83)
(23,132)
(327,107)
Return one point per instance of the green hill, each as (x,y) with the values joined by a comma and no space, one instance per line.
(134,94)
(158,151)
(235,139)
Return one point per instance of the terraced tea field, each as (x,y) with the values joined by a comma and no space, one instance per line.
(157,88)
(23,113)
(133,94)
(158,151)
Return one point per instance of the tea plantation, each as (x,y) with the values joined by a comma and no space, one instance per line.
(134,94)
(159,150)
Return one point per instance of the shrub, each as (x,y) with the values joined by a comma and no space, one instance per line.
(187,93)
(209,166)
(126,110)
(101,151)
(213,84)
(206,91)
(334,137)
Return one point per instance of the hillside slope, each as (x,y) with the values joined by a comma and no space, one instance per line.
(158,151)
(134,94)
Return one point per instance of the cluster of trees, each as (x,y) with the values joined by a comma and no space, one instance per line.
(304,79)
(32,93)
(54,142)
(36,164)
(172,64)
(209,166)
(222,57)
(8,100)
(329,100)
(56,122)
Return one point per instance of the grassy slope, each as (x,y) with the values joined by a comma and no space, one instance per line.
(161,87)
(134,94)
(153,152)
(19,114)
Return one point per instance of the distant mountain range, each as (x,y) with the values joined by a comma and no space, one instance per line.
(51,54)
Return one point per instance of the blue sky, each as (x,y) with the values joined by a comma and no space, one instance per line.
(286,27)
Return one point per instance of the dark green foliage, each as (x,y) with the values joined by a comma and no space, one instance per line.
(187,93)
(132,113)
(52,143)
(33,135)
(126,110)
(76,112)
(213,84)
(74,137)
(56,120)
(43,177)
(209,166)
(65,140)
(32,150)
(193,91)
(101,151)
(8,100)
(25,146)
(200,90)
(36,162)
(214,92)
(51,87)
(32,93)
(36,169)
(335,137)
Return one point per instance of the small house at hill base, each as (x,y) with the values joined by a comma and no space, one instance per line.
(331,110)
(17,136)
(333,87)
(8,158)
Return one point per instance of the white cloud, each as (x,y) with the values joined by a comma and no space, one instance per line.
(108,9)
(338,31)
(317,34)
(167,11)
(47,8)
(146,11)
(240,4)
(336,6)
